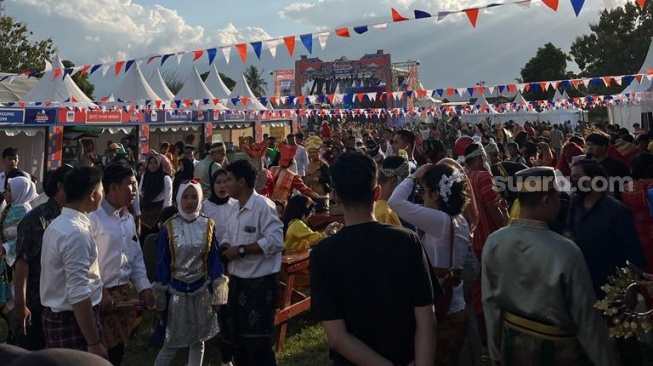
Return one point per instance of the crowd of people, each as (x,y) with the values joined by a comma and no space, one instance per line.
(431,262)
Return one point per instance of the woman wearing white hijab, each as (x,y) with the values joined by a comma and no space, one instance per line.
(20,191)
(189,271)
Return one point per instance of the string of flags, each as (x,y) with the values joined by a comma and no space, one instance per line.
(307,40)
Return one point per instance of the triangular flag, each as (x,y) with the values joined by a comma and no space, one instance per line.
(380,26)
(84,70)
(128,65)
(577,5)
(118,66)
(197,54)
(211,52)
(242,51)
(244,100)
(322,37)
(641,3)
(307,41)
(575,83)
(271,45)
(361,29)
(152,58)
(421,14)
(443,14)
(290,44)
(94,68)
(180,55)
(544,86)
(472,15)
(105,69)
(165,58)
(638,77)
(342,32)
(226,51)
(553,4)
(56,73)
(524,4)
(607,80)
(258,47)
(396,17)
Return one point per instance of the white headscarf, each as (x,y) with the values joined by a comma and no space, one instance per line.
(182,188)
(23,191)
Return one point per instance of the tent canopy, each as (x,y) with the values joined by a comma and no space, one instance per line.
(17,88)
(242,90)
(194,89)
(159,86)
(134,87)
(215,84)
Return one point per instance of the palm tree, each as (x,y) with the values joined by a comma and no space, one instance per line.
(255,81)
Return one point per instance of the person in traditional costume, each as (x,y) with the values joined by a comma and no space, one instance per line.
(445,240)
(286,181)
(256,152)
(393,171)
(317,171)
(569,151)
(122,267)
(156,193)
(189,281)
(326,131)
(539,309)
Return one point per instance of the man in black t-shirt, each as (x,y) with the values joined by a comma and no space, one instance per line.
(370,283)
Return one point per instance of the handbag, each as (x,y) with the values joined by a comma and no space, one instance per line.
(447,280)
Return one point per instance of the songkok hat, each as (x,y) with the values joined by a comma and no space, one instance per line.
(538,179)
(313,143)
(287,153)
(598,139)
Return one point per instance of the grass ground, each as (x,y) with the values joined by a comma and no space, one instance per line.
(305,345)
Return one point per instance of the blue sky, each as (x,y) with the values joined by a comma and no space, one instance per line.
(452,53)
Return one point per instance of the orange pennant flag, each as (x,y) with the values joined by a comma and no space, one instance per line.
(649,72)
(553,4)
(543,86)
(84,70)
(187,102)
(512,87)
(273,100)
(331,97)
(216,101)
(607,80)
(119,66)
(360,96)
(641,3)
(47,104)
(244,100)
(301,99)
(197,54)
(472,15)
(157,103)
(73,99)
(396,17)
(57,72)
(242,51)
(638,77)
(575,83)
(290,44)
(451,91)
(342,32)
(21,104)
(421,93)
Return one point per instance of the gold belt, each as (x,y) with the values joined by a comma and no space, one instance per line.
(533,328)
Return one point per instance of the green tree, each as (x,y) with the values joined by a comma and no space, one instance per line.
(256,81)
(617,44)
(82,82)
(228,82)
(17,52)
(549,63)
(173,81)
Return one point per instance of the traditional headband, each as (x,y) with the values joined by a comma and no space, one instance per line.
(402,171)
(216,149)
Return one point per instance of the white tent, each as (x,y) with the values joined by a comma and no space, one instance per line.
(20,85)
(159,86)
(519,100)
(194,89)
(134,87)
(242,90)
(57,89)
(630,112)
(216,86)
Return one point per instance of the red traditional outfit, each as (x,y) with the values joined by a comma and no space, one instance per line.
(326,131)
(635,197)
(286,181)
(256,152)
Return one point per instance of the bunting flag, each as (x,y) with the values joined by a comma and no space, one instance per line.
(180,56)
(380,26)
(421,14)
(361,29)
(152,58)
(56,73)
(211,52)
(271,45)
(95,68)
(242,51)
(307,41)
(641,3)
(118,67)
(165,58)
(443,14)
(577,5)
(84,70)
(553,4)
(396,17)
(197,54)
(472,15)
(342,32)
(128,65)
(322,38)
(258,47)
(290,44)
(226,52)
(48,66)
(105,69)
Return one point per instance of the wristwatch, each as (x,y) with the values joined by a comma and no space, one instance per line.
(241,251)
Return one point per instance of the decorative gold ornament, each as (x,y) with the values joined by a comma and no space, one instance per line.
(619,305)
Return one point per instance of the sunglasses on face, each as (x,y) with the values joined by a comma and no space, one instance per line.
(192,181)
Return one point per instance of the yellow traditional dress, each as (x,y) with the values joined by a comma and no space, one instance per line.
(384,214)
(300,237)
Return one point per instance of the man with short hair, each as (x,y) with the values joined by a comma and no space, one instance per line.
(71,288)
(597,149)
(252,244)
(10,159)
(301,156)
(514,153)
(540,309)
(26,316)
(120,257)
(211,163)
(556,137)
(369,274)
(405,140)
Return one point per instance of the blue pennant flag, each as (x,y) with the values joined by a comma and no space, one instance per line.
(128,65)
(206,101)
(263,100)
(234,100)
(577,5)
(307,40)
(628,79)
(290,100)
(164,58)
(360,30)
(258,47)
(94,68)
(440,91)
(501,88)
(211,53)
(534,86)
(565,84)
(421,14)
(597,82)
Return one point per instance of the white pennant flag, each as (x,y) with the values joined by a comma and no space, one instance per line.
(76,70)
(521,87)
(272,46)
(48,66)
(226,51)
(609,4)
(462,91)
(105,68)
(649,77)
(525,4)
(180,55)
(617,79)
(380,26)
(322,37)
(371,96)
(585,82)
(491,89)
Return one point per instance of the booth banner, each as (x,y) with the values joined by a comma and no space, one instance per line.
(40,116)
(178,116)
(133,116)
(65,115)
(104,116)
(201,116)
(234,117)
(155,116)
(9,116)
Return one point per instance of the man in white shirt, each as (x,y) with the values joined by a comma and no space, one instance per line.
(10,159)
(120,257)
(301,157)
(253,243)
(71,288)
